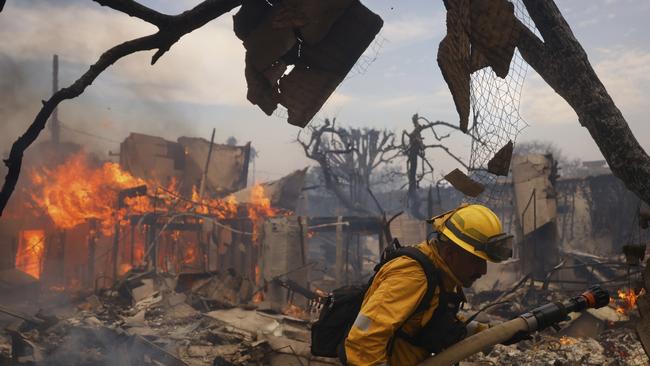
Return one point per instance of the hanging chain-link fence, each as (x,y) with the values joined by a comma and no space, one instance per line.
(495,117)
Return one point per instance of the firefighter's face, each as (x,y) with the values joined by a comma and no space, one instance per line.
(467,267)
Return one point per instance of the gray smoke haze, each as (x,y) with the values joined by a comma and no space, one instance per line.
(14,97)
(131,96)
(199,84)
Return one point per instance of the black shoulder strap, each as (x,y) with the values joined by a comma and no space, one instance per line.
(433,278)
(429,271)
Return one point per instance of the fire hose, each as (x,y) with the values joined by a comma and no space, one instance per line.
(548,315)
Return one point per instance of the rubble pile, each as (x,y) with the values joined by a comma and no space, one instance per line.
(613,347)
(146,321)
(210,319)
(603,336)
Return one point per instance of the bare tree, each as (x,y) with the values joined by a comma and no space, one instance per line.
(348,158)
(352,159)
(414,149)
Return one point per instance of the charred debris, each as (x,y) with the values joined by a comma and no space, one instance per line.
(234,275)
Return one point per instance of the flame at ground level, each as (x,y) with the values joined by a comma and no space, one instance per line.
(567,341)
(124,268)
(29,255)
(627,300)
(295,311)
(258,297)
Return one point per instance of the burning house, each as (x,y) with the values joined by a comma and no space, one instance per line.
(170,218)
(89,222)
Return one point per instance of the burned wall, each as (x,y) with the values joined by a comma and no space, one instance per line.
(283,256)
(158,160)
(227,170)
(152,158)
(596,214)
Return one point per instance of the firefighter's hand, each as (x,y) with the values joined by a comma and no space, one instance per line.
(518,337)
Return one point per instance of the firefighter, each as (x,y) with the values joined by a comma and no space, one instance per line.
(388,330)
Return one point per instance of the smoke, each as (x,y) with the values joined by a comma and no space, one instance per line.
(131,96)
(199,84)
(15,97)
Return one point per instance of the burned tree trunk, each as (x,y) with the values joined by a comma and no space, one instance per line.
(413,149)
(562,62)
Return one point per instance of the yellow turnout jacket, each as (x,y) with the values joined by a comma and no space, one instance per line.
(392,297)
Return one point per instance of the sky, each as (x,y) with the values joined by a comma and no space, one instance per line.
(199,84)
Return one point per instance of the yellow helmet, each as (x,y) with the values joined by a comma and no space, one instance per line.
(477,229)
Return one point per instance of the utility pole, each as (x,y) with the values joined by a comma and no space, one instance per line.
(204,177)
(55,127)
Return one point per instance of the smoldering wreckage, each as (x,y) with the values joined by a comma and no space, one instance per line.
(236,280)
(169,257)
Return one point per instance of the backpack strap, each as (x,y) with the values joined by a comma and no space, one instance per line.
(433,278)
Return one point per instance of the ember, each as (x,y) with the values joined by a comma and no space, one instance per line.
(295,311)
(258,297)
(567,341)
(189,255)
(30,252)
(124,268)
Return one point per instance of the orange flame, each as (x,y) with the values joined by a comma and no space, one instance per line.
(220,208)
(627,300)
(138,253)
(75,192)
(30,251)
(260,204)
(260,207)
(258,275)
(190,255)
(258,297)
(295,311)
(567,341)
(125,267)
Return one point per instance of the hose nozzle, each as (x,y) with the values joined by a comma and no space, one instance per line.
(596,297)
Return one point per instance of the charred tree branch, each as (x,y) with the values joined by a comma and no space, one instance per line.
(414,150)
(348,159)
(168,35)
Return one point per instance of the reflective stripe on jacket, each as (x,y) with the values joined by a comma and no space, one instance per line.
(392,297)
